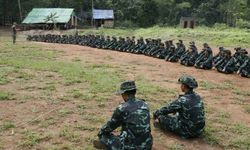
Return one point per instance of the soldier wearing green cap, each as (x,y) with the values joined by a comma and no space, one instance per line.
(14,32)
(185,116)
(134,118)
(244,69)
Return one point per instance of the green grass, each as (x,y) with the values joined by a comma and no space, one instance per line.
(100,79)
(6,126)
(5,96)
(228,37)
(30,139)
(68,133)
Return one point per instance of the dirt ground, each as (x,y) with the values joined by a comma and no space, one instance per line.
(159,72)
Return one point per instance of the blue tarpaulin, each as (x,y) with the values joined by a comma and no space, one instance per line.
(103,14)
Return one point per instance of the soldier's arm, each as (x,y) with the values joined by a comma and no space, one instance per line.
(230,63)
(113,123)
(173,107)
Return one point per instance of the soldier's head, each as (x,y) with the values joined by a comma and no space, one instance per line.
(205,45)
(243,52)
(180,41)
(192,43)
(188,83)
(127,90)
(227,53)
(221,49)
(170,42)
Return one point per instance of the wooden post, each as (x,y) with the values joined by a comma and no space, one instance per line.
(72,20)
(20,10)
(76,21)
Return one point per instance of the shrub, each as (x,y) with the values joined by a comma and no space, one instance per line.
(243,24)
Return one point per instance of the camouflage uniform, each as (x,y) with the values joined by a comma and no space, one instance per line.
(134,118)
(219,56)
(244,69)
(189,120)
(14,32)
(189,58)
(180,50)
(227,64)
(205,58)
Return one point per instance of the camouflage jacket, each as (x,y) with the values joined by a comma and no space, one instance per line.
(190,112)
(245,68)
(134,118)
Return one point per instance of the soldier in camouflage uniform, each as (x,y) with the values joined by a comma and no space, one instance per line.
(241,59)
(227,64)
(244,69)
(189,58)
(134,118)
(188,116)
(218,56)
(14,32)
(180,50)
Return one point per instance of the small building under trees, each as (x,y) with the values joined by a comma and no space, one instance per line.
(103,18)
(48,18)
(188,22)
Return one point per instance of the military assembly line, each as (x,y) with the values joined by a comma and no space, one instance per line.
(224,61)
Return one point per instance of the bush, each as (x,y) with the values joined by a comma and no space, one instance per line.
(240,23)
(220,26)
(126,24)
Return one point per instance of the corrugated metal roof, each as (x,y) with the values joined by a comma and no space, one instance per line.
(103,14)
(39,15)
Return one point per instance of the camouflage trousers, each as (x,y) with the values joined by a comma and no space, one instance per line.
(120,142)
(14,38)
(245,73)
(173,124)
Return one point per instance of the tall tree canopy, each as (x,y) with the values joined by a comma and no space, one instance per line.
(146,13)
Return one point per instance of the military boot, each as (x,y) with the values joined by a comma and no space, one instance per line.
(98,144)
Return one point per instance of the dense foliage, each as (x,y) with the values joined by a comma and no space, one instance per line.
(148,12)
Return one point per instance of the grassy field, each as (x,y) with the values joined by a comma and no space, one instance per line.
(49,102)
(219,36)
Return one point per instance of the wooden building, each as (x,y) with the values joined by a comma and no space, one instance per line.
(50,17)
(188,22)
(103,18)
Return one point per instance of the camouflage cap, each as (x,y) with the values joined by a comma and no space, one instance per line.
(127,86)
(244,51)
(189,81)
(192,43)
(221,48)
(205,45)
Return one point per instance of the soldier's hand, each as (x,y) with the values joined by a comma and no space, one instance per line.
(155,115)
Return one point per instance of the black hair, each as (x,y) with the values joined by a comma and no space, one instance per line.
(131,92)
(189,88)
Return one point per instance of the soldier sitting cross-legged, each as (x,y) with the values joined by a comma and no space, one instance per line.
(134,118)
(185,116)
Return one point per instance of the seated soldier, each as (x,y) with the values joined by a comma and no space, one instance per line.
(189,58)
(205,62)
(185,116)
(218,56)
(180,50)
(172,51)
(241,59)
(244,69)
(227,64)
(134,118)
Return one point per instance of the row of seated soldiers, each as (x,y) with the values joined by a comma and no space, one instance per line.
(223,62)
